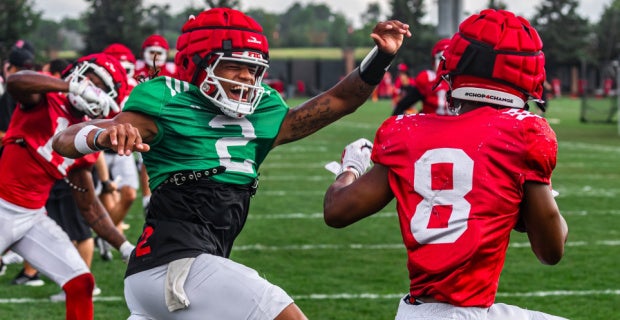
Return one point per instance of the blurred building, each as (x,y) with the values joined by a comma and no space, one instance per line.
(450,14)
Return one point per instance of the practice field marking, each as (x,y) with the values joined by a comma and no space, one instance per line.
(374,296)
(583,192)
(399,246)
(29,300)
(319,215)
(588,147)
(371,296)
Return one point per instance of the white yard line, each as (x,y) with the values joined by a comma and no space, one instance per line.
(397,246)
(319,215)
(375,296)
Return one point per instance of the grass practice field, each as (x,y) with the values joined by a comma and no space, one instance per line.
(359,272)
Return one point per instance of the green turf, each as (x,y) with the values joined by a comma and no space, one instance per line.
(359,272)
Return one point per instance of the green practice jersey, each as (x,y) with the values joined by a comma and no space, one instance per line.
(193,134)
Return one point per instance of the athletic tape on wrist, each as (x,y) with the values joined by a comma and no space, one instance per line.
(374,66)
(80,143)
(349,169)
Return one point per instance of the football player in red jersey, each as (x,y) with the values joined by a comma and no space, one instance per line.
(92,87)
(154,59)
(425,88)
(401,82)
(122,169)
(467,180)
(127,59)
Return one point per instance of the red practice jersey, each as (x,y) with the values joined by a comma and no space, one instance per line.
(28,165)
(433,100)
(458,186)
(143,71)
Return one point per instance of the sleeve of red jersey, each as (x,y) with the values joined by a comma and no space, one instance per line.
(379,147)
(542,149)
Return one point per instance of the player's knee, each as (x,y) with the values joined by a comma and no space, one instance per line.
(80,286)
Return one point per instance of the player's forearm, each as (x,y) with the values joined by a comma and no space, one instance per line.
(100,221)
(91,208)
(64,142)
(98,218)
(336,204)
(27,86)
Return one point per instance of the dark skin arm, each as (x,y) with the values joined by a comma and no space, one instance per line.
(345,97)
(348,200)
(29,87)
(91,208)
(546,228)
(128,131)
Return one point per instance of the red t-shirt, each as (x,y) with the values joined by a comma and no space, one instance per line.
(459,185)
(28,165)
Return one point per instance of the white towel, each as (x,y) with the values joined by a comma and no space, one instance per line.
(175,279)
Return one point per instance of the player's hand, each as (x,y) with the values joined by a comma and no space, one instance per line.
(126,249)
(389,35)
(122,138)
(356,156)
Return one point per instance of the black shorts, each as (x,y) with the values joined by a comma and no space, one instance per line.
(61,207)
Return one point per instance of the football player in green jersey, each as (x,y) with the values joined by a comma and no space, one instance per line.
(203,135)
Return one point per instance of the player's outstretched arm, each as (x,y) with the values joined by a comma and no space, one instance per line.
(28,87)
(124,134)
(351,92)
(546,228)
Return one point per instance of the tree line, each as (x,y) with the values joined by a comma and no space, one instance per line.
(569,38)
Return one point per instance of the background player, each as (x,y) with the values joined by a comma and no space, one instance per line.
(29,167)
(154,60)
(425,88)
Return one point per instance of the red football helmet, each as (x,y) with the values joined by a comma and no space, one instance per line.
(496,58)
(437,51)
(155,50)
(223,34)
(124,55)
(108,69)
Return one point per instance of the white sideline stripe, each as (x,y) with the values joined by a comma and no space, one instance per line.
(370,296)
(302,247)
(374,296)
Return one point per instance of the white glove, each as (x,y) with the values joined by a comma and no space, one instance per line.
(356,157)
(126,249)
